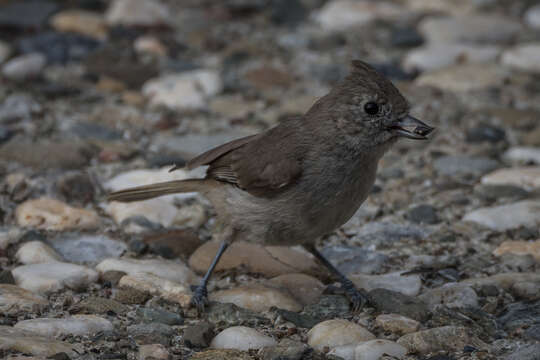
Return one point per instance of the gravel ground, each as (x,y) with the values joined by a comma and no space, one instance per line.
(101,95)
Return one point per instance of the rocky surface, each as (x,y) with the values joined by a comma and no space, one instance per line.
(97,96)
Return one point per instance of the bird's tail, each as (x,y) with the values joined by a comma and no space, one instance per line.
(154,190)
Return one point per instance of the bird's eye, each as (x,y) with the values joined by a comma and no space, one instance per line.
(371,108)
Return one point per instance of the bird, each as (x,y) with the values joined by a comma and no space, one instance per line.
(303,178)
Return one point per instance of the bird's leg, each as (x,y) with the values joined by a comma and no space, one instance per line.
(358,297)
(200,293)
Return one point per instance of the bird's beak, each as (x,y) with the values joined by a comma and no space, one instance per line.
(411,128)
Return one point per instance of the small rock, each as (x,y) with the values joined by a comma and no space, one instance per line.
(408,284)
(78,325)
(131,296)
(98,305)
(345,352)
(384,233)
(520,315)
(149,315)
(463,165)
(37,252)
(525,177)
(222,354)
(51,277)
(5,51)
(397,324)
(50,214)
(532,17)
(495,192)
(241,338)
(15,300)
(505,280)
(6,277)
(24,67)
(26,15)
(231,315)
(354,259)
(304,288)
(257,298)
(149,45)
(87,248)
(153,333)
(18,107)
(269,261)
(506,217)
(29,343)
(521,154)
(148,283)
(394,302)
(9,236)
(374,349)
(453,295)
(532,333)
(166,269)
(301,320)
(328,307)
(188,90)
(519,248)
(527,352)
(341,14)
(287,349)
(424,213)
(333,333)
(437,56)
(464,78)
(199,335)
(153,351)
(80,21)
(527,290)
(446,338)
(481,28)
(523,57)
(485,132)
(137,13)
(113,277)
(76,187)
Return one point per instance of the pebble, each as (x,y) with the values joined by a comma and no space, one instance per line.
(446,338)
(526,352)
(522,154)
(29,343)
(228,314)
(339,15)
(452,165)
(149,45)
(257,298)
(159,315)
(82,22)
(506,217)
(5,51)
(50,214)
(525,177)
(147,283)
(188,90)
(464,78)
(15,300)
(504,280)
(409,284)
(287,349)
(270,260)
(374,349)
(527,290)
(153,351)
(355,259)
(137,13)
(17,107)
(153,333)
(481,28)
(241,338)
(26,15)
(98,305)
(523,57)
(37,252)
(199,335)
(221,354)
(424,213)
(437,56)
(394,302)
(51,277)
(532,16)
(78,325)
(24,67)
(337,332)
(453,295)
(397,324)
(9,236)
(485,132)
(165,269)
(519,247)
(304,288)
(84,249)
(520,315)
(376,234)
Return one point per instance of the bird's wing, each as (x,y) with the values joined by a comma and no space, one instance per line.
(262,164)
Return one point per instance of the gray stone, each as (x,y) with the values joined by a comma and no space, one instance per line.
(494,192)
(532,16)
(523,57)
(153,333)
(241,338)
(84,249)
(520,315)
(354,259)
(15,300)
(506,217)
(5,51)
(137,13)
(24,67)
(446,338)
(287,349)
(396,281)
(485,132)
(29,343)
(528,352)
(451,295)
(328,307)
(98,305)
(19,107)
(199,335)
(453,165)
(424,213)
(78,325)
(384,233)
(394,302)
(150,315)
(229,314)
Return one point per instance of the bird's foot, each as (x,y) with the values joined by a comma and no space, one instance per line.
(358,297)
(200,298)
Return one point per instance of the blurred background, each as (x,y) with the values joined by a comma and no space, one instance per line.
(102,95)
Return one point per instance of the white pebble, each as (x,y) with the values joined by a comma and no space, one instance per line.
(241,338)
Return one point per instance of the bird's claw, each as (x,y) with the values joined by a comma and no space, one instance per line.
(358,297)
(200,298)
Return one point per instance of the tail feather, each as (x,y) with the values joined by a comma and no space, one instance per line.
(154,190)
